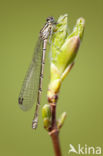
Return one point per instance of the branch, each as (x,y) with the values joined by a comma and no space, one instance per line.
(62,61)
(53,130)
(55,140)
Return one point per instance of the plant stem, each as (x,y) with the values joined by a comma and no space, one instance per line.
(54,132)
(56,143)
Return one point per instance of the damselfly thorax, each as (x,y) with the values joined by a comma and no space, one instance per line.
(32,86)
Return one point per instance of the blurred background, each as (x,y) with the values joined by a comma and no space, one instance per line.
(81,95)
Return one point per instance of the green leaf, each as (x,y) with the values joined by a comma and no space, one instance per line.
(63,50)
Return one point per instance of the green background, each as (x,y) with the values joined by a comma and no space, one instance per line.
(81,95)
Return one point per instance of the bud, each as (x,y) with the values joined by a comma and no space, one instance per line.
(61,120)
(46,123)
(46,115)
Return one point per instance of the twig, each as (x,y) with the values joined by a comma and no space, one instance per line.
(56,144)
(53,130)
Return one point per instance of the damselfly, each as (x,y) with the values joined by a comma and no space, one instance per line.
(32,86)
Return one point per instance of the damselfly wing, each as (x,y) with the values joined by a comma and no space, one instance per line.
(29,90)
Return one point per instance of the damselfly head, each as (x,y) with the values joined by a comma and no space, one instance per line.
(50,20)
